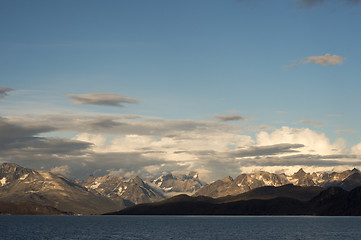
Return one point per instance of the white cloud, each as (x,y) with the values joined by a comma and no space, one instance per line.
(356,149)
(314,143)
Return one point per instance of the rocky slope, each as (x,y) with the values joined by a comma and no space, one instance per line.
(19,184)
(132,191)
(176,184)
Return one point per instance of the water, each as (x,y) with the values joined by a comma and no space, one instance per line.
(178,227)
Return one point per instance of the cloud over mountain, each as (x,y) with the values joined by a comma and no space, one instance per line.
(102,99)
(145,146)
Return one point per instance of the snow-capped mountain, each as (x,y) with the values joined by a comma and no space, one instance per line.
(41,192)
(245,182)
(180,183)
(133,191)
(29,187)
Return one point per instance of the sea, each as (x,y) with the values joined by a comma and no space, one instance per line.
(179,227)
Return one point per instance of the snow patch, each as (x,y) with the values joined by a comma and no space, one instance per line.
(121,190)
(3,181)
(268,183)
(23,177)
(45,175)
(95,185)
(167,189)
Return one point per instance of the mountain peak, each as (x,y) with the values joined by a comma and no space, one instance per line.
(138,181)
(10,165)
(299,173)
(227,179)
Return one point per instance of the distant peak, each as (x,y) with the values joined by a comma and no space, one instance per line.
(227,179)
(138,181)
(10,165)
(301,171)
(355,170)
(193,174)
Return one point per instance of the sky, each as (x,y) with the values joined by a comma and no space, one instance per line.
(139,87)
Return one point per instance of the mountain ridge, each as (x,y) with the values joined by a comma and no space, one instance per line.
(333,201)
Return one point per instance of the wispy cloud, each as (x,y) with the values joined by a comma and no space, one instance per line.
(306,121)
(334,115)
(326,60)
(280,112)
(309,3)
(256,151)
(4,91)
(63,170)
(312,3)
(226,118)
(345,131)
(102,99)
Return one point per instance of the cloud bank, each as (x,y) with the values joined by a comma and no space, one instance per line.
(102,99)
(147,147)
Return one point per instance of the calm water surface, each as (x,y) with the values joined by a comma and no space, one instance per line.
(178,227)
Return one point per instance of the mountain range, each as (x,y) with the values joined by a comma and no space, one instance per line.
(27,191)
(244,182)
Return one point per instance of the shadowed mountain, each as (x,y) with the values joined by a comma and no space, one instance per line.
(351,181)
(332,201)
(269,192)
(28,208)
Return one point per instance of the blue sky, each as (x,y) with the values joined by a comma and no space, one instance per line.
(183,61)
